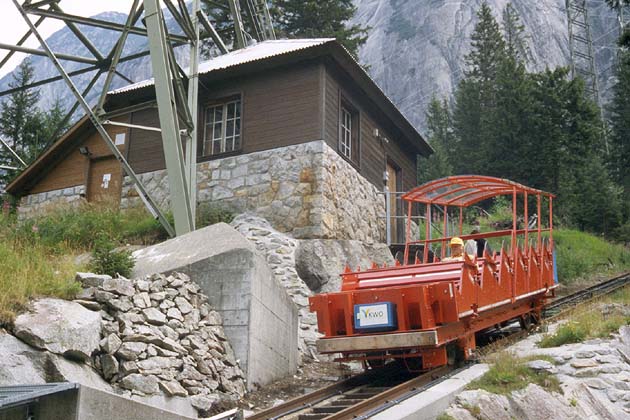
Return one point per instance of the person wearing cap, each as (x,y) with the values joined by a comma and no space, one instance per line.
(457,250)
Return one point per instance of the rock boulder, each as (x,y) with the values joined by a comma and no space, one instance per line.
(61,327)
(319,262)
(23,364)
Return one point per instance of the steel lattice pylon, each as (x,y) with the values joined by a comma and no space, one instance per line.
(176,105)
(581,47)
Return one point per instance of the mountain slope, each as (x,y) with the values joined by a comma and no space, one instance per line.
(416,48)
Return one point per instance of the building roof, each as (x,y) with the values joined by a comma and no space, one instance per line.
(255,58)
(256,52)
(16,395)
(465,190)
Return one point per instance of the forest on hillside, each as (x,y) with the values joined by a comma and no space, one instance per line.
(536,128)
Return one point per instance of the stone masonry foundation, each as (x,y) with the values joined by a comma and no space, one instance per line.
(306,190)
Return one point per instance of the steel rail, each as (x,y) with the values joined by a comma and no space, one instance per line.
(385,397)
(586,294)
(410,394)
(306,401)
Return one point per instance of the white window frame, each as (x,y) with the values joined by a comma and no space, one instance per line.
(345,137)
(224,138)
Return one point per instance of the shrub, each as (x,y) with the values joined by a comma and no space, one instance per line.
(105,260)
(210,213)
(570,332)
(510,373)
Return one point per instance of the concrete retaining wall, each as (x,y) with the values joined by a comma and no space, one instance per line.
(259,318)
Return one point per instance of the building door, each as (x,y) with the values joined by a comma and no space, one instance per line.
(104,180)
(394,186)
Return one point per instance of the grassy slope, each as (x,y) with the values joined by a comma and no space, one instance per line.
(37,256)
(589,321)
(581,255)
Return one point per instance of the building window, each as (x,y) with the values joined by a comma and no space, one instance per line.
(345,141)
(349,132)
(222,128)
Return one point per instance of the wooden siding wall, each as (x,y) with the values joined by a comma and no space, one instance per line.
(145,147)
(373,154)
(279,108)
(71,170)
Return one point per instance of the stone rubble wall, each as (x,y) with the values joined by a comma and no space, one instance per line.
(278,249)
(160,336)
(352,207)
(31,205)
(306,190)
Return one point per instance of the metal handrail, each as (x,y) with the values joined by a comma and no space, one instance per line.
(389,216)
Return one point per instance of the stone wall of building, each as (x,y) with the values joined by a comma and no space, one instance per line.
(32,204)
(306,190)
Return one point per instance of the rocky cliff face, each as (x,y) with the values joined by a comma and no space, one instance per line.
(415,49)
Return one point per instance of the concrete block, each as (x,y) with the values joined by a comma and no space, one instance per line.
(431,403)
(240,285)
(95,404)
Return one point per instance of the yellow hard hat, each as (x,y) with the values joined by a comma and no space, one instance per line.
(457,241)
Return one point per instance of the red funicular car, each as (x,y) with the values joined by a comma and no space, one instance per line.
(427,308)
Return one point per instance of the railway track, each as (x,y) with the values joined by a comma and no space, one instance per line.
(557,306)
(360,396)
(367,394)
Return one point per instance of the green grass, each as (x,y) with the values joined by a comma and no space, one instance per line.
(37,255)
(581,255)
(76,228)
(509,373)
(30,271)
(589,322)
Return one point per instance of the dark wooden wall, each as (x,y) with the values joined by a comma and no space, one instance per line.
(374,153)
(286,106)
(279,108)
(72,169)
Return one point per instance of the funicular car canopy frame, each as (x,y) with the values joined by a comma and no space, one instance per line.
(465,190)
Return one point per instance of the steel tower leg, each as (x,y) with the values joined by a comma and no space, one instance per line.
(97,124)
(169,122)
(193,92)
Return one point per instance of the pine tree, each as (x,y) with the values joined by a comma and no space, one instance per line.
(319,18)
(488,48)
(620,126)
(440,137)
(297,19)
(516,42)
(508,148)
(475,99)
(18,114)
(27,129)
(20,121)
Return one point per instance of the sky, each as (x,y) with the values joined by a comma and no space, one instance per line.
(13,27)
